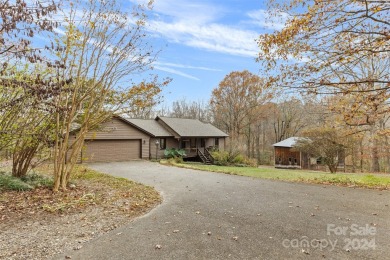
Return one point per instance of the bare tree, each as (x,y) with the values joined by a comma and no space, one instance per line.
(102,46)
(236,103)
(194,110)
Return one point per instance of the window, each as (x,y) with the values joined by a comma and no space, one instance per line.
(216,142)
(163,143)
(193,143)
(202,143)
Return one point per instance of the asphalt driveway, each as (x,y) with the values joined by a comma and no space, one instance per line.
(216,216)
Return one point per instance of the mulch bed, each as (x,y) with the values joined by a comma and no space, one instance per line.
(40,223)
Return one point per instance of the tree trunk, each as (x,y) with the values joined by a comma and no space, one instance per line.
(375,159)
(387,153)
(361,155)
(375,156)
(258,157)
(22,157)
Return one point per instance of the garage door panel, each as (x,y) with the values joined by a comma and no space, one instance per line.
(111,150)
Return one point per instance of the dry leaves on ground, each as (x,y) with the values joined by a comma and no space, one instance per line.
(39,224)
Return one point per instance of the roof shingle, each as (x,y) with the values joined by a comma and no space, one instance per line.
(289,142)
(192,127)
(151,126)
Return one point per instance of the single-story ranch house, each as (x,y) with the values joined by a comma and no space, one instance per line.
(123,139)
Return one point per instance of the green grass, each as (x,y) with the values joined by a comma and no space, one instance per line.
(342,179)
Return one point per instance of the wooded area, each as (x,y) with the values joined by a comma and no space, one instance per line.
(333,57)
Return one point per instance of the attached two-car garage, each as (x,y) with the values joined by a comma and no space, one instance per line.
(111,150)
(115,141)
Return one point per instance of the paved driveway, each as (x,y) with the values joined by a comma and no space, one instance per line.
(247,219)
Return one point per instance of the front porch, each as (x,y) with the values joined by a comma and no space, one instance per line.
(198,149)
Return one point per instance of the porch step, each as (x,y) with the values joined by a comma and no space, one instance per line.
(204,157)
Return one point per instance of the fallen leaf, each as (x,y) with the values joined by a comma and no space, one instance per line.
(305,252)
(158,246)
(235,238)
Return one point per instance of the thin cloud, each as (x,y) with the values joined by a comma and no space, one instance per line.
(182,66)
(194,24)
(191,11)
(211,37)
(176,72)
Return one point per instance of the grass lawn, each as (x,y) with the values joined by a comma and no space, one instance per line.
(342,179)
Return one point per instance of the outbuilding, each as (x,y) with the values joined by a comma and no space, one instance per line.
(287,157)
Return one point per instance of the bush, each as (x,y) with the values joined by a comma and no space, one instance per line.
(37,180)
(239,159)
(224,158)
(175,160)
(8,182)
(174,153)
(220,158)
(28,182)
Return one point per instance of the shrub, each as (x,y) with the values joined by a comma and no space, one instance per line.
(174,153)
(37,180)
(8,182)
(28,182)
(221,158)
(224,158)
(239,159)
(174,160)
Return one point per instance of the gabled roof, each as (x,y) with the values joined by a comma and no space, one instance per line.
(191,127)
(289,142)
(149,126)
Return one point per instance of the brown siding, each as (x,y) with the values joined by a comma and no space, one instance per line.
(125,139)
(171,143)
(145,148)
(111,150)
(282,155)
(170,130)
(221,144)
(116,129)
(209,142)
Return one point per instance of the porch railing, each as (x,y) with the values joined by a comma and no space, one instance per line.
(208,155)
(205,157)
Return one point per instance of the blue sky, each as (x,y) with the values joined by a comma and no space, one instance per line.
(204,40)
